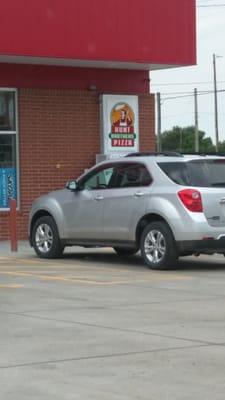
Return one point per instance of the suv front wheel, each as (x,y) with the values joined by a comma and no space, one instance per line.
(45,238)
(158,248)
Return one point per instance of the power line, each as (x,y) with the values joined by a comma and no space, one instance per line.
(211,5)
(207,1)
(189,94)
(206,4)
(184,83)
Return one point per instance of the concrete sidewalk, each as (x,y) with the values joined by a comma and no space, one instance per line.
(24,249)
(95,326)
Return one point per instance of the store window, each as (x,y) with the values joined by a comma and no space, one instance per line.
(8,147)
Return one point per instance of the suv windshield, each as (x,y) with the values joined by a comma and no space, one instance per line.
(203,173)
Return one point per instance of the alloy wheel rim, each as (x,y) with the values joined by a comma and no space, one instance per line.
(155,246)
(44,238)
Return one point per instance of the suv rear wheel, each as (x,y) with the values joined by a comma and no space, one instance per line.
(158,248)
(45,238)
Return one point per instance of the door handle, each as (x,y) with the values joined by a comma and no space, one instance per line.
(138,194)
(98,197)
(222,201)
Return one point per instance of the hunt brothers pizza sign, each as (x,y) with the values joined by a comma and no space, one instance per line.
(120,124)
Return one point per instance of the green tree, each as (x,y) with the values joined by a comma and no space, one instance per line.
(183,140)
(222,147)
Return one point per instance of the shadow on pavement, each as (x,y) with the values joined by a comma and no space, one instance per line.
(202,263)
(210,263)
(111,259)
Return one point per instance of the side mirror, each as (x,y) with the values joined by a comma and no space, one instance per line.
(72,185)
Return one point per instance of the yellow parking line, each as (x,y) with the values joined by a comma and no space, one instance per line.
(59,278)
(148,276)
(43,262)
(84,280)
(19,260)
(12,286)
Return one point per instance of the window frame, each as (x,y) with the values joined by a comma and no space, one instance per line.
(134,164)
(16,133)
(115,165)
(92,173)
(189,170)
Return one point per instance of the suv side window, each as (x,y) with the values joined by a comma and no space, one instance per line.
(99,179)
(132,175)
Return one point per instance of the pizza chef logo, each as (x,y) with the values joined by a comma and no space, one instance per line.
(122,126)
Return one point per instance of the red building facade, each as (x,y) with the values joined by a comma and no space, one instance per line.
(57,59)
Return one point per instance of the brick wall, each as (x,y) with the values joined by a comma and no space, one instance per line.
(59,135)
(147,122)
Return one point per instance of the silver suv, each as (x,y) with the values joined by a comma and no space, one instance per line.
(164,205)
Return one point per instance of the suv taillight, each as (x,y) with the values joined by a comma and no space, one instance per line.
(191,199)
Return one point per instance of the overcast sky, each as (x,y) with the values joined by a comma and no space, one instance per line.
(180,111)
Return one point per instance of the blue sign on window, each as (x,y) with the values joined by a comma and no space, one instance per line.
(8,188)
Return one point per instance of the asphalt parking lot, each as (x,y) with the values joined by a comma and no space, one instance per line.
(96,326)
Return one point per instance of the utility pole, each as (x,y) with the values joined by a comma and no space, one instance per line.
(181,140)
(158,97)
(216,103)
(196,121)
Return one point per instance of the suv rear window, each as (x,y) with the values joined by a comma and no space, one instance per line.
(202,173)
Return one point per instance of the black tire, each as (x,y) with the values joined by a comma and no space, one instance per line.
(45,238)
(158,248)
(123,251)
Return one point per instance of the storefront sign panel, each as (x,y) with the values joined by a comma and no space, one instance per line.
(8,188)
(120,124)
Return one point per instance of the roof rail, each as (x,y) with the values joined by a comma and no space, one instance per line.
(155,154)
(202,153)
